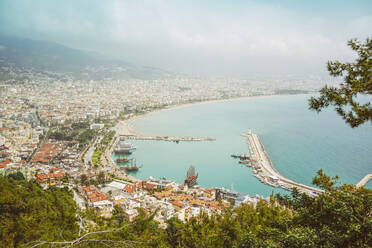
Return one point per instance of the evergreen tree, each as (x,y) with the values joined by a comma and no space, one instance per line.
(357,81)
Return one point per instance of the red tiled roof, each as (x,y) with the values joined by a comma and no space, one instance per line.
(130,188)
(97,196)
(178,204)
(57,174)
(3,164)
(216,207)
(190,178)
(150,185)
(46,152)
(90,188)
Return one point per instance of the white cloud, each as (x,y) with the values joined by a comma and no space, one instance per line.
(198,37)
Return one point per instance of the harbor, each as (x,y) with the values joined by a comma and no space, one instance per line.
(264,169)
(111,165)
(122,148)
(170,158)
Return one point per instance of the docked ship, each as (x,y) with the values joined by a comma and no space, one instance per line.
(191,178)
(131,167)
(122,160)
(123,151)
(124,148)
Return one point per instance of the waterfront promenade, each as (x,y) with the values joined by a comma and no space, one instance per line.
(109,164)
(265,170)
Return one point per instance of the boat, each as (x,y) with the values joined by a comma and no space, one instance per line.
(191,178)
(126,145)
(122,151)
(131,167)
(244,162)
(122,160)
(241,157)
(124,148)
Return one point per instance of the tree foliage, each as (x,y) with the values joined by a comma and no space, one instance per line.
(84,179)
(357,81)
(16,176)
(324,181)
(28,213)
(339,217)
(101,178)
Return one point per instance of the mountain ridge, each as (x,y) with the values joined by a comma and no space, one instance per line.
(51,56)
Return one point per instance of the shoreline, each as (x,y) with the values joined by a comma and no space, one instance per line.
(127,125)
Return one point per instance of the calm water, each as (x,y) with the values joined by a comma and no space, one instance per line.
(299,142)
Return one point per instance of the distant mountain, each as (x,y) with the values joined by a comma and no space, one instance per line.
(50,56)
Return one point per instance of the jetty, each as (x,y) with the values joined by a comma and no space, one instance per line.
(265,171)
(126,133)
(364,180)
(163,138)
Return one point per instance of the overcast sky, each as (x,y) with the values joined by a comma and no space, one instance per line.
(234,38)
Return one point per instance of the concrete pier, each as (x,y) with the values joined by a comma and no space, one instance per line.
(265,171)
(126,133)
(165,138)
(364,180)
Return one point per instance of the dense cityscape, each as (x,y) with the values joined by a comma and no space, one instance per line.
(49,122)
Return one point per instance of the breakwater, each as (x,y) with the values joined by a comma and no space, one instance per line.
(165,138)
(125,133)
(364,180)
(265,171)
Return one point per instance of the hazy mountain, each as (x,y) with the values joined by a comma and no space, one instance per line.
(50,56)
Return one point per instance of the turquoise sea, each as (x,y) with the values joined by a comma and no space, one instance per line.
(298,141)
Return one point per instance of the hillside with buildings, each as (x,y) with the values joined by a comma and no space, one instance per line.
(52,58)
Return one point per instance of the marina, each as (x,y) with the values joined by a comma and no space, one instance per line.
(264,170)
(123,149)
(289,146)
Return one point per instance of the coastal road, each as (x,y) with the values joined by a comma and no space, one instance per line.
(89,153)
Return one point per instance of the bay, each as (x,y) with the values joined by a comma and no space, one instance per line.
(298,141)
